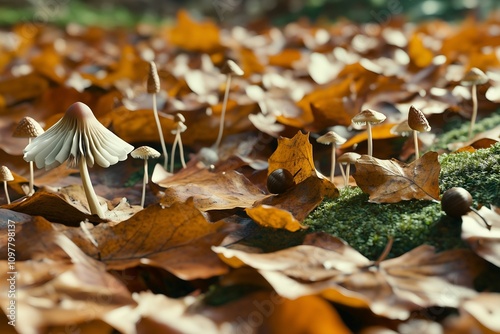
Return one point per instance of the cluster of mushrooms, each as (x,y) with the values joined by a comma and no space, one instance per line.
(81,140)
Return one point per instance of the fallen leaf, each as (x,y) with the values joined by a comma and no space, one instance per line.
(269,216)
(484,309)
(194,36)
(390,181)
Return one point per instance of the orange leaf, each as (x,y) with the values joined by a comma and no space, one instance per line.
(390,181)
(419,54)
(194,36)
(273,217)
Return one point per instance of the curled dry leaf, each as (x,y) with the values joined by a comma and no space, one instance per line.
(269,216)
(484,242)
(394,288)
(391,181)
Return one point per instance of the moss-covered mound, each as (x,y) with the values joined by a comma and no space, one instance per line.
(367,226)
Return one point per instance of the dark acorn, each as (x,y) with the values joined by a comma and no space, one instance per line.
(456,202)
(279,181)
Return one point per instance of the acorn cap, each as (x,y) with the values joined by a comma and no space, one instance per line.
(5,174)
(145,152)
(368,116)
(401,129)
(474,77)
(331,137)
(417,120)
(230,67)
(349,157)
(153,84)
(77,134)
(28,128)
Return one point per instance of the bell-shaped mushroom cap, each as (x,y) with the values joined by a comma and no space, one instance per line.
(401,129)
(368,116)
(28,128)
(5,174)
(145,152)
(349,157)
(78,134)
(331,137)
(417,120)
(474,77)
(153,83)
(232,68)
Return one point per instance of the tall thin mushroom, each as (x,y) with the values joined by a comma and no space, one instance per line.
(418,123)
(230,69)
(369,117)
(145,153)
(473,78)
(28,128)
(347,158)
(6,176)
(335,139)
(153,87)
(80,139)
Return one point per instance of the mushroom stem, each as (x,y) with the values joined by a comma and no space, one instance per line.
(474,110)
(6,191)
(145,181)
(343,173)
(332,170)
(347,170)
(223,112)
(94,206)
(370,143)
(32,177)
(181,151)
(160,132)
(415,139)
(172,158)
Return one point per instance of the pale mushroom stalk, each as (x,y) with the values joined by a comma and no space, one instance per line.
(94,206)
(415,140)
(370,138)
(153,87)
(474,110)
(332,170)
(332,138)
(343,173)
(223,112)
(181,127)
(32,175)
(144,182)
(6,191)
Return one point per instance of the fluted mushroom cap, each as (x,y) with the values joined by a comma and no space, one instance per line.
(368,116)
(349,157)
(474,77)
(78,134)
(331,137)
(145,152)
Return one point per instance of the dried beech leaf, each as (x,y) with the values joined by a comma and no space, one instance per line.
(391,181)
(484,242)
(269,216)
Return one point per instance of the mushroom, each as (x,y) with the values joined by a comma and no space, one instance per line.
(230,69)
(369,117)
(28,128)
(473,78)
(181,127)
(145,153)
(347,158)
(79,138)
(6,176)
(401,129)
(418,123)
(153,87)
(332,138)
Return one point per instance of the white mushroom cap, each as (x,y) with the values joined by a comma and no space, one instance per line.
(28,128)
(331,137)
(78,134)
(401,129)
(145,152)
(5,174)
(349,157)
(232,68)
(368,116)
(417,120)
(474,77)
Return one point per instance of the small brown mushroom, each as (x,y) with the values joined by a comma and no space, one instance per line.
(181,127)
(153,87)
(418,123)
(347,158)
(335,139)
(6,176)
(473,78)
(28,128)
(145,153)
(369,117)
(230,69)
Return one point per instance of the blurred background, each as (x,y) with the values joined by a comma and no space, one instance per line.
(230,12)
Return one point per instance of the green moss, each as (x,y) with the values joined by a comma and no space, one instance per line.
(367,226)
(478,172)
(458,131)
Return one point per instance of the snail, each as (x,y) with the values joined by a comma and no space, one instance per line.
(280,180)
(457,201)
